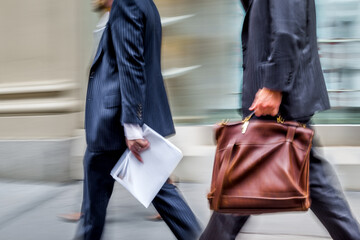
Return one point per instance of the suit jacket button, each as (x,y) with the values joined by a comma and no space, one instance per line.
(289,78)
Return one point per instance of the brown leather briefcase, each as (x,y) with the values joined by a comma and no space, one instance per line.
(261,166)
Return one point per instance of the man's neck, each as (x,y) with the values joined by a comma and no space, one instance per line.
(102,12)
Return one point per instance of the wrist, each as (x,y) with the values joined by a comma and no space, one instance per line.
(133,131)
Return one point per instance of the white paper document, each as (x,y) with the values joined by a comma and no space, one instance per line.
(144,180)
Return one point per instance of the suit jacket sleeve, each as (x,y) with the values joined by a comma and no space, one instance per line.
(287,33)
(127,30)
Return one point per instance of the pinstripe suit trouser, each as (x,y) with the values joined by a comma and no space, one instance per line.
(98,187)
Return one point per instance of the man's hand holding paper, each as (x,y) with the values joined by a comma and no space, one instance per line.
(135,140)
(137,146)
(144,179)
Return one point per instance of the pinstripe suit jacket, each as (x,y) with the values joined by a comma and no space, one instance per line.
(280,52)
(125,83)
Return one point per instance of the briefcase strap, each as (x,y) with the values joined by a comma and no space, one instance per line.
(221,175)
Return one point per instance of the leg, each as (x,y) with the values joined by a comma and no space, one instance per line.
(98,187)
(329,203)
(223,226)
(176,213)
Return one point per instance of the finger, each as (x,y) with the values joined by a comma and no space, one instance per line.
(134,149)
(140,149)
(263,109)
(138,157)
(142,142)
(268,109)
(147,145)
(258,112)
(275,112)
(266,112)
(143,145)
(254,104)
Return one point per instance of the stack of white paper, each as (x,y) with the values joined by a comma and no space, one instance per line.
(144,180)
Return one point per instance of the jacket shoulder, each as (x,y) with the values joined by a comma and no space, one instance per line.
(130,5)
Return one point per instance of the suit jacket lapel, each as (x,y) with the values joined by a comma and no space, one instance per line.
(98,53)
(244,32)
(100,46)
(246,4)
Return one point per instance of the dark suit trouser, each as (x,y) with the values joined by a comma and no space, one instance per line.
(98,187)
(328,204)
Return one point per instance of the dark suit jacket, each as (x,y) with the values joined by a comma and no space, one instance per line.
(280,52)
(125,83)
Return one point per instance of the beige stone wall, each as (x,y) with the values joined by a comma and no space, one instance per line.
(45,49)
(39,37)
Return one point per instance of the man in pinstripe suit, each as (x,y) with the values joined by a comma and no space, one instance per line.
(126,90)
(282,74)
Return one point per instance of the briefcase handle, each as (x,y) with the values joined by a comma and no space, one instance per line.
(279,119)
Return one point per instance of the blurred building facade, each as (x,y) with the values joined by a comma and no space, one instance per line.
(210,38)
(45,51)
(45,54)
(339,43)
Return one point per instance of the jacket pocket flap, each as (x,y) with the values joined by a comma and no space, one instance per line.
(112,101)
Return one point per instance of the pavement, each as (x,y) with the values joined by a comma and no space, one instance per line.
(30,210)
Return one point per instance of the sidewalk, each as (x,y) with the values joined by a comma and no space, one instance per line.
(28,211)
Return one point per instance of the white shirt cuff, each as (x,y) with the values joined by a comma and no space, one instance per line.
(133,131)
